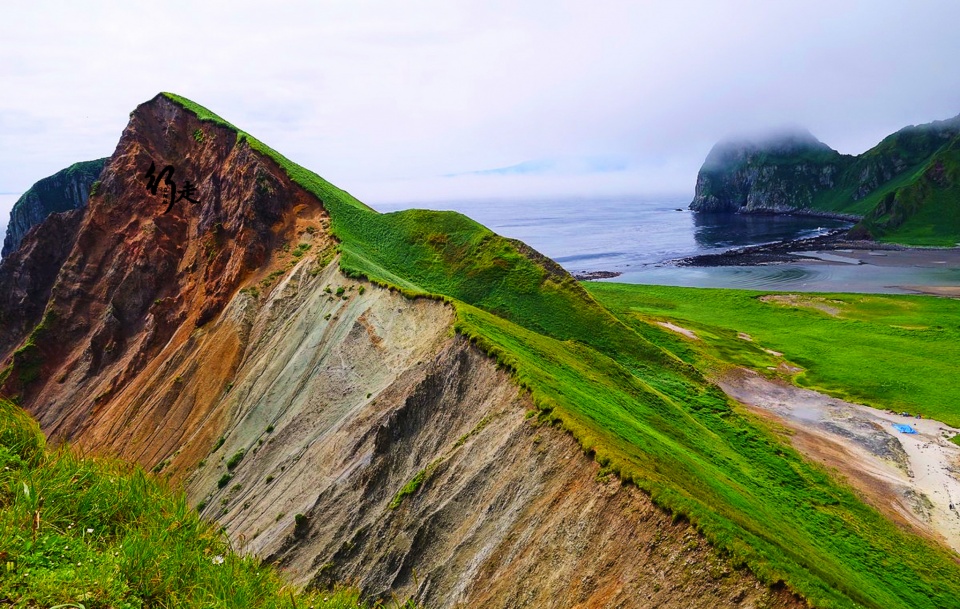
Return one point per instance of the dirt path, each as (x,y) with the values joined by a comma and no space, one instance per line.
(912,478)
(678,329)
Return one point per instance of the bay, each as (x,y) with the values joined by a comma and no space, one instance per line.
(640,236)
(620,233)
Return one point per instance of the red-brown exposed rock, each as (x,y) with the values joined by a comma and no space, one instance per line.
(27,275)
(138,279)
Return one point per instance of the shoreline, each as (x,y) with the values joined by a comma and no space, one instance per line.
(832,248)
(594,275)
(782,211)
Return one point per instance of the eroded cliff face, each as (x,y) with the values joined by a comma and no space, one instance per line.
(65,190)
(27,275)
(885,186)
(126,315)
(363,441)
(779,175)
(336,428)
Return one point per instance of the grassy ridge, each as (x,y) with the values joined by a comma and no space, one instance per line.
(886,351)
(103,534)
(698,456)
(646,414)
(914,195)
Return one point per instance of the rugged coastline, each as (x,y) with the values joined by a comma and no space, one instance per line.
(903,189)
(594,275)
(786,210)
(812,249)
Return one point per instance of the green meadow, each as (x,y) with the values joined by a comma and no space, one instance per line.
(891,352)
(635,400)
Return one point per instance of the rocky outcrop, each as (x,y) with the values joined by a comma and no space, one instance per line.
(65,190)
(778,175)
(27,275)
(884,187)
(139,280)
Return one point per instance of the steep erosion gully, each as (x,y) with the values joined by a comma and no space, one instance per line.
(339,404)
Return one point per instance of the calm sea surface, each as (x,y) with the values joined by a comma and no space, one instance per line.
(637,237)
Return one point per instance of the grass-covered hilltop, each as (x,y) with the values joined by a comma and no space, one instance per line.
(905,189)
(591,360)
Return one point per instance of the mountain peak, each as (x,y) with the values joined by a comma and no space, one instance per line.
(782,142)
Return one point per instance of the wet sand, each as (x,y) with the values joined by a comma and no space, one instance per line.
(833,250)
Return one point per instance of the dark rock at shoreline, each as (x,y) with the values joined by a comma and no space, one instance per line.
(591,275)
(783,251)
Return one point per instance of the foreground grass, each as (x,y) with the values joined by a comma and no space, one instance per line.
(96,534)
(646,413)
(897,352)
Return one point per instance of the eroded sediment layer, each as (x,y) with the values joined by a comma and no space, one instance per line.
(341,404)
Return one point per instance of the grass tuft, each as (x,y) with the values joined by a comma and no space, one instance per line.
(235,460)
(78,532)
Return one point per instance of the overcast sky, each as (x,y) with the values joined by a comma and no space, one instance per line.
(390,99)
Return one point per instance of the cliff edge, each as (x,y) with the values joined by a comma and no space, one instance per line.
(63,191)
(903,189)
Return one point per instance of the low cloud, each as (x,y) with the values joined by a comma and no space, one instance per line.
(378,93)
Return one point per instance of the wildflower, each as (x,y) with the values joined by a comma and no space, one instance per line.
(89,530)
(218,559)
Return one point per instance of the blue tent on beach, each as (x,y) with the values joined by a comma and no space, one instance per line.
(904,428)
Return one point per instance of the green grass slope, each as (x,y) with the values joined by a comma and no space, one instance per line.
(905,187)
(92,534)
(925,209)
(645,413)
(895,162)
(895,352)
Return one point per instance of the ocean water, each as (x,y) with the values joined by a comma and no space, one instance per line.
(620,234)
(638,237)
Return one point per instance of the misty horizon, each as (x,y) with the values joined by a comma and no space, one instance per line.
(463,100)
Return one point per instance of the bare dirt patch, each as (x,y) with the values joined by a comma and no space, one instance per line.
(817,303)
(912,478)
(678,329)
(948,291)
